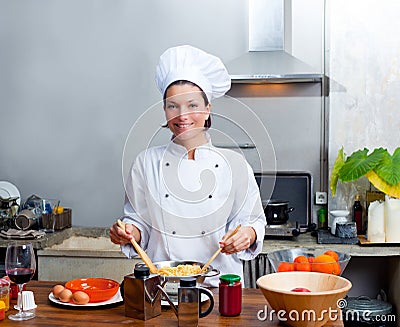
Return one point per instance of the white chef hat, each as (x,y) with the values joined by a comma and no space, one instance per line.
(194,65)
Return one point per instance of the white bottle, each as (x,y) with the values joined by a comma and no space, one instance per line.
(376,222)
(392,214)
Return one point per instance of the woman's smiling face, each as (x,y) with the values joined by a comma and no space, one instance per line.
(185,110)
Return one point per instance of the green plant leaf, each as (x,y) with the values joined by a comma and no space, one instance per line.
(360,163)
(381,185)
(339,162)
(389,168)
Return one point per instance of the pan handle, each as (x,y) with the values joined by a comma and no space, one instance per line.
(211,273)
(289,209)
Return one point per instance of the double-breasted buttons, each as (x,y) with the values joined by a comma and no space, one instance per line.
(167,164)
(216,166)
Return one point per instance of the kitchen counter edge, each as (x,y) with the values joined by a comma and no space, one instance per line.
(269,244)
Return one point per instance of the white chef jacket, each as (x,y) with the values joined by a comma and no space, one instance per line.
(183,207)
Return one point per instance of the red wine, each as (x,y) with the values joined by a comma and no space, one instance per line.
(20,275)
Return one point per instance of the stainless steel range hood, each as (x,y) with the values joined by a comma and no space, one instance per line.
(260,67)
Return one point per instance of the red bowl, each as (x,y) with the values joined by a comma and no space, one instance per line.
(98,289)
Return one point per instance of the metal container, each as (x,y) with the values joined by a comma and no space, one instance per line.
(210,271)
(364,311)
(188,310)
(142,296)
(172,282)
(26,219)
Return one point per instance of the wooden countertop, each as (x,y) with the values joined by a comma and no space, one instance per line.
(48,314)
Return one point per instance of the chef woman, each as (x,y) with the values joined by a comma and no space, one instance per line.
(184,198)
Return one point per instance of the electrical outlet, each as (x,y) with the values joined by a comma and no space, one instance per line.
(321,198)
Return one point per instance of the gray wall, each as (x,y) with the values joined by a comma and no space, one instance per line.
(364,96)
(75,76)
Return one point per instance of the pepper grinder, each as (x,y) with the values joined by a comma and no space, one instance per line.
(142,296)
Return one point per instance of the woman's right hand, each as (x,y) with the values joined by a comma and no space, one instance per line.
(122,237)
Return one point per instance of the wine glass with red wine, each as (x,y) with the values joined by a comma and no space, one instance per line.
(20,267)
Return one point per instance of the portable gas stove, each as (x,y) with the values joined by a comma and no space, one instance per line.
(294,187)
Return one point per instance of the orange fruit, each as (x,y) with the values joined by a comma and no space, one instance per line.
(333,254)
(286,266)
(310,259)
(301,263)
(303,266)
(300,258)
(326,264)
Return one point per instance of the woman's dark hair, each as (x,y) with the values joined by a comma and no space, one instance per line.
(207,123)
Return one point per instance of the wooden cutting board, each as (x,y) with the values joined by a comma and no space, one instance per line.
(364,241)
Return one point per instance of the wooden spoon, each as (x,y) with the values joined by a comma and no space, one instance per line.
(203,270)
(139,250)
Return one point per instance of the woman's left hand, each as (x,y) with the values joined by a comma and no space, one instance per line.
(242,240)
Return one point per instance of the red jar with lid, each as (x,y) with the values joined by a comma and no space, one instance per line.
(230,295)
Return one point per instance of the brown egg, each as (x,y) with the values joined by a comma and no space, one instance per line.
(65,295)
(57,289)
(80,297)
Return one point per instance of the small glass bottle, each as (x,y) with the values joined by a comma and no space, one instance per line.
(230,295)
(2,310)
(322,221)
(357,214)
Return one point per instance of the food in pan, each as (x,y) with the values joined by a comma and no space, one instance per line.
(180,270)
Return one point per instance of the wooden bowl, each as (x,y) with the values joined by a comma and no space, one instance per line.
(98,289)
(304,309)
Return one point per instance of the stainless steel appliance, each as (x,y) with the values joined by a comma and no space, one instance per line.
(294,187)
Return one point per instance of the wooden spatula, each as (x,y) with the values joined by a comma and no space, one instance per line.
(139,250)
(203,270)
